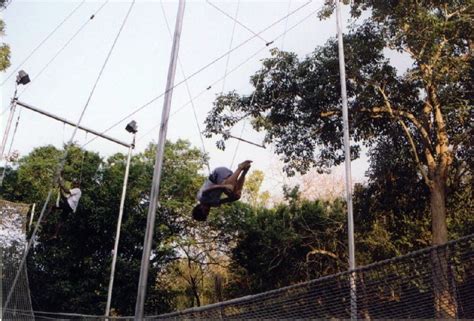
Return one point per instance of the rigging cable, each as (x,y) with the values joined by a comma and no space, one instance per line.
(43,41)
(136,110)
(243,125)
(82,162)
(231,71)
(286,25)
(230,43)
(236,21)
(62,163)
(188,91)
(64,46)
(8,156)
(227,63)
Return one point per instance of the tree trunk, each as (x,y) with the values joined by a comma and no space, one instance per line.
(444,300)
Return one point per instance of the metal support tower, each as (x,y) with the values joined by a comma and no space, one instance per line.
(155,187)
(347,161)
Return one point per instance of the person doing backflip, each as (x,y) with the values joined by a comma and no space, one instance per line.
(221,181)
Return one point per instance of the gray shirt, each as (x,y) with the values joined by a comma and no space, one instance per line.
(217,176)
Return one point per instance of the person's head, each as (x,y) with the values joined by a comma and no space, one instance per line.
(200,212)
(75,183)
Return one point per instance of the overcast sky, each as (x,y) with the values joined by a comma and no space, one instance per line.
(137,69)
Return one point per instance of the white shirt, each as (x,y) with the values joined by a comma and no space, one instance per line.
(217,176)
(73,198)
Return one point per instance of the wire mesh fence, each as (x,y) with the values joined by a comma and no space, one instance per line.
(12,246)
(436,282)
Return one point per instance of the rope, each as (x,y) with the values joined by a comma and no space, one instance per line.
(231,41)
(105,63)
(188,90)
(199,71)
(286,25)
(231,71)
(65,45)
(245,122)
(228,57)
(10,148)
(43,41)
(64,131)
(82,162)
(63,161)
(237,21)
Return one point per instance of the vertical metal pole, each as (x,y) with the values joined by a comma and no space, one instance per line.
(33,207)
(9,123)
(155,187)
(347,155)
(119,226)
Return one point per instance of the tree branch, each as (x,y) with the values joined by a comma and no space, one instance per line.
(408,134)
(320,251)
(424,133)
(442,146)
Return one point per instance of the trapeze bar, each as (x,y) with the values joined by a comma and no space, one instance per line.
(247,141)
(63,120)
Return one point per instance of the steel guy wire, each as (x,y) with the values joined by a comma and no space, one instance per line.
(42,42)
(10,147)
(63,161)
(230,43)
(64,46)
(237,21)
(187,88)
(286,25)
(199,71)
(243,125)
(231,71)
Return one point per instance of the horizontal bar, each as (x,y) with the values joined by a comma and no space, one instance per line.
(63,120)
(247,141)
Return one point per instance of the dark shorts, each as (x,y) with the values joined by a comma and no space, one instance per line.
(211,198)
(64,205)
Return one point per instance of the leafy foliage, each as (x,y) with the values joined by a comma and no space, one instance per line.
(71,273)
(4,48)
(428,109)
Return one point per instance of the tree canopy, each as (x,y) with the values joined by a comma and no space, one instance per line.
(4,48)
(427,109)
(297,101)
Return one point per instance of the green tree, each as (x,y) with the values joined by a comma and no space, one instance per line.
(272,248)
(392,209)
(71,273)
(430,106)
(251,191)
(4,48)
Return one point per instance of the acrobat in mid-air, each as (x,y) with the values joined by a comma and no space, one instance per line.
(69,199)
(221,181)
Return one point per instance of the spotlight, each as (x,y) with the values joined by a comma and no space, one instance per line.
(22,78)
(132,127)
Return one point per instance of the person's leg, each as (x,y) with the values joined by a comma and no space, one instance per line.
(235,193)
(234,178)
(240,182)
(66,210)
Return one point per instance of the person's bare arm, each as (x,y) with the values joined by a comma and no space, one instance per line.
(63,188)
(231,197)
(223,187)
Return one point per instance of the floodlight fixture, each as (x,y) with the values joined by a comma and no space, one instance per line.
(132,127)
(22,78)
